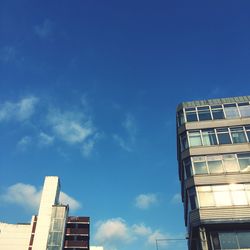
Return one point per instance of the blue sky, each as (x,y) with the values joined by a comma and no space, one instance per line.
(88,92)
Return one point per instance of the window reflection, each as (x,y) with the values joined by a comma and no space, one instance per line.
(231,110)
(223,195)
(213,112)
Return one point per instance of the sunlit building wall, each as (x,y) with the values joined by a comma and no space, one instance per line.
(213,145)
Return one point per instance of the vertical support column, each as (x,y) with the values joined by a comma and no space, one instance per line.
(50,197)
(203,238)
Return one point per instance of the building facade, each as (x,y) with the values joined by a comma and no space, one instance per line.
(213,150)
(51,229)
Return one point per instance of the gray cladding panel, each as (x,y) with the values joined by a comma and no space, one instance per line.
(199,180)
(210,215)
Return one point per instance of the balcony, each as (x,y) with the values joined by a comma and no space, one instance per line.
(76,243)
(77,231)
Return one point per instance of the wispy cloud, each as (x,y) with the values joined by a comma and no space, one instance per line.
(7,54)
(19,111)
(176,199)
(115,232)
(145,201)
(24,143)
(28,197)
(45,29)
(71,127)
(130,127)
(141,229)
(45,139)
(88,145)
(122,143)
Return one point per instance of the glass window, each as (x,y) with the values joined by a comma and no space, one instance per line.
(231,110)
(214,166)
(222,198)
(239,197)
(244,109)
(248,132)
(206,199)
(228,241)
(230,163)
(215,240)
(57,225)
(247,188)
(217,112)
(195,138)
(223,136)
(193,202)
(209,137)
(220,188)
(244,162)
(244,240)
(192,198)
(200,167)
(184,143)
(238,135)
(180,118)
(191,115)
(204,113)
(187,166)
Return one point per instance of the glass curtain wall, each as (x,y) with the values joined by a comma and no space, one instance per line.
(57,228)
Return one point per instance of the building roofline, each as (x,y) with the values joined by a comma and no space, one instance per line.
(214,101)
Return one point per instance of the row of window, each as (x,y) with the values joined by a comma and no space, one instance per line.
(215,136)
(219,195)
(75,237)
(213,112)
(230,240)
(217,164)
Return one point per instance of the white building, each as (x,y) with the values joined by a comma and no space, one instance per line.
(51,229)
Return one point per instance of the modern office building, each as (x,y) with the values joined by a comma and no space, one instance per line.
(51,229)
(213,145)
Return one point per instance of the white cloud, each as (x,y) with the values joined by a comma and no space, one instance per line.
(45,139)
(157,235)
(45,29)
(28,197)
(19,111)
(141,230)
(24,195)
(71,127)
(66,199)
(144,201)
(114,233)
(176,199)
(113,230)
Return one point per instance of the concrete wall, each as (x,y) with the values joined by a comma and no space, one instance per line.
(14,236)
